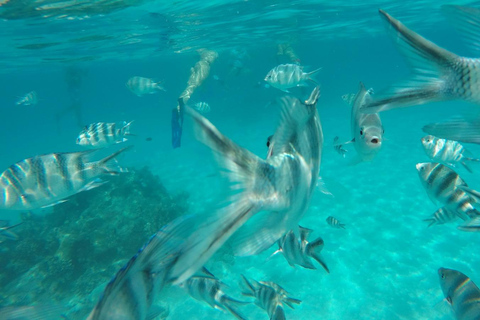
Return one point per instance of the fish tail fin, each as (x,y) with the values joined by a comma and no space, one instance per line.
(231,305)
(109,164)
(279,313)
(466,166)
(313,250)
(437,71)
(431,221)
(289,301)
(473,225)
(312,73)
(248,286)
(126,129)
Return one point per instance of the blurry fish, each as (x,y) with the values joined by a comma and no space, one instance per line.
(462,130)
(448,152)
(442,216)
(208,289)
(287,76)
(349,98)
(38,312)
(102,134)
(30,99)
(461,293)
(440,74)
(270,297)
(339,147)
(443,187)
(148,139)
(6,233)
(48,179)
(141,86)
(202,107)
(332,221)
(297,250)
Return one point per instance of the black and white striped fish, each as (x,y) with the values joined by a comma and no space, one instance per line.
(29,99)
(338,147)
(444,187)
(287,76)
(202,107)
(332,221)
(48,179)
(102,134)
(270,297)
(5,231)
(461,293)
(142,85)
(297,249)
(209,289)
(445,151)
(442,216)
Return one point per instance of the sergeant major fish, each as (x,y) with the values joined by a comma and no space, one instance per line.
(461,293)
(286,76)
(332,221)
(101,134)
(202,107)
(29,99)
(442,216)
(141,86)
(48,179)
(448,152)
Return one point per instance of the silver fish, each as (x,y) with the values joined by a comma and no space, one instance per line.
(102,134)
(461,293)
(367,129)
(332,221)
(208,289)
(270,297)
(440,75)
(202,107)
(48,179)
(297,250)
(5,231)
(443,186)
(462,130)
(442,216)
(339,147)
(279,187)
(448,152)
(37,312)
(29,99)
(141,86)
(286,76)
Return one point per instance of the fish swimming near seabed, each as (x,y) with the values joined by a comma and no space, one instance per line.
(442,216)
(461,293)
(48,179)
(102,134)
(29,99)
(286,76)
(333,222)
(445,151)
(440,75)
(142,85)
(270,297)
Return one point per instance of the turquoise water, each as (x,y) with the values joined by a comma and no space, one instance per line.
(382,266)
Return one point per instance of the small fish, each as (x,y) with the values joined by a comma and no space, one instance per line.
(148,139)
(30,99)
(48,179)
(270,297)
(445,187)
(461,293)
(102,134)
(297,250)
(141,86)
(6,233)
(339,147)
(37,312)
(286,76)
(208,289)
(448,152)
(332,221)
(202,107)
(442,216)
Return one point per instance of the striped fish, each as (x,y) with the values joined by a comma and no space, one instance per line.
(270,297)
(445,151)
(297,250)
(202,107)
(444,187)
(208,289)
(442,216)
(141,86)
(29,99)
(332,221)
(48,179)
(287,76)
(102,134)
(461,293)
(5,231)
(338,147)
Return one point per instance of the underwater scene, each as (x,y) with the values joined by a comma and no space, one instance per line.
(230,159)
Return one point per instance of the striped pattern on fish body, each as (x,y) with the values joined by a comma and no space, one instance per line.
(29,99)
(47,179)
(287,76)
(442,186)
(461,293)
(142,85)
(332,221)
(102,134)
(442,216)
(202,107)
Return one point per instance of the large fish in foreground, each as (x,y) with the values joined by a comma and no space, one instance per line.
(461,293)
(440,74)
(48,179)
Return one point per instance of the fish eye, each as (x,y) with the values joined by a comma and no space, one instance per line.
(449,299)
(361,131)
(443,274)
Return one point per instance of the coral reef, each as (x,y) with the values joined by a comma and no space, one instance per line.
(68,253)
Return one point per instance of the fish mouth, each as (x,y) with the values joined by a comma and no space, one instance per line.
(376,141)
